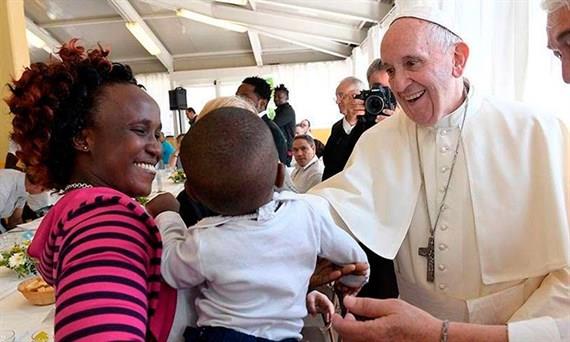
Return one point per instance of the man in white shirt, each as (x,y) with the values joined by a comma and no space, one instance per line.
(15,188)
(468,194)
(308,169)
(558,29)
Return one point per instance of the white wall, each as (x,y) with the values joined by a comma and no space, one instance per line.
(311,86)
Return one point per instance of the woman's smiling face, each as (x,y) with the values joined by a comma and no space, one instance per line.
(123,143)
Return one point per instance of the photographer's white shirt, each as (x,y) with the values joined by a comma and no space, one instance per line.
(347,126)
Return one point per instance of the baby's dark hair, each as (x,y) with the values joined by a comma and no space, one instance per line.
(261,87)
(53,102)
(230,161)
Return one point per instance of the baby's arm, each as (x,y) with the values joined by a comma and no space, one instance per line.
(181,266)
(318,302)
(339,247)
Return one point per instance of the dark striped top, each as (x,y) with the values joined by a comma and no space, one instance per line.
(101,251)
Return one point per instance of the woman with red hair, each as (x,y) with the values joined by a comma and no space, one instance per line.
(87,129)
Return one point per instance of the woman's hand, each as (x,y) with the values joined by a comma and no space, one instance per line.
(161,203)
(326,272)
(389,320)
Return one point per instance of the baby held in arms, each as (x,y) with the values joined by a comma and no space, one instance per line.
(253,263)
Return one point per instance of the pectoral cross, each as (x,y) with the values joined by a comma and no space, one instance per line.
(429,253)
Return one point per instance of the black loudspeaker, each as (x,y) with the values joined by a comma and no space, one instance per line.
(177,98)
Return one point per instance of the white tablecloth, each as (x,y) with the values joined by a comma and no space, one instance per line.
(162,183)
(16,313)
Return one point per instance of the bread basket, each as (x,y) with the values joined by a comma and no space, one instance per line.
(37,291)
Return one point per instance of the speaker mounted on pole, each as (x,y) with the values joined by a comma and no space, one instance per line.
(177,99)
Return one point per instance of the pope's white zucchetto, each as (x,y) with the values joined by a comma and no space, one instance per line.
(431,14)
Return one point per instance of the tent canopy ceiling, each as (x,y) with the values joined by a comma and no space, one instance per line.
(276,31)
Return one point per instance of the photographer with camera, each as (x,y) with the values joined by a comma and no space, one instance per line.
(362,109)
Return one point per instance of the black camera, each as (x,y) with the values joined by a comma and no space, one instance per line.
(375,101)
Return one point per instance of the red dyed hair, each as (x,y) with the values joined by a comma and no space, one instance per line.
(53,102)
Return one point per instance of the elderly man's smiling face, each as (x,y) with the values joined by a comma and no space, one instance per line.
(558,29)
(424,76)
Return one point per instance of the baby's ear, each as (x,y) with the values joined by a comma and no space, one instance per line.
(280,176)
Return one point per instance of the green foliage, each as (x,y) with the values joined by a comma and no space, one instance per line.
(17,259)
(142,200)
(178,176)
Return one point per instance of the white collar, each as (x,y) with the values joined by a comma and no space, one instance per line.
(264,213)
(454,119)
(261,114)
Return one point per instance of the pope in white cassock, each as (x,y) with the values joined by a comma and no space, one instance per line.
(469,195)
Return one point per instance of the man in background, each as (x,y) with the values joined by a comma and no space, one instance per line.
(308,168)
(284,116)
(558,30)
(304,127)
(342,138)
(344,135)
(258,91)
(191,116)
(346,132)
(15,189)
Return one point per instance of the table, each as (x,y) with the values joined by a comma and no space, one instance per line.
(16,313)
(162,183)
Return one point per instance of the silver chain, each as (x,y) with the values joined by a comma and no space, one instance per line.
(432,229)
(74,186)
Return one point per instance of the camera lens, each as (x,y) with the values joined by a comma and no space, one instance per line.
(374,105)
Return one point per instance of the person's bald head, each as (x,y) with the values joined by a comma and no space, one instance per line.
(425,64)
(230,161)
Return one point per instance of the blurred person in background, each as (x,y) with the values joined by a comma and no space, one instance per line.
(558,30)
(284,116)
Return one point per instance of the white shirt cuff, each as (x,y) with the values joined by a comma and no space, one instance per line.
(168,220)
(532,330)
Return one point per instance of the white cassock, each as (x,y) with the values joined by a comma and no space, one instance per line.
(502,242)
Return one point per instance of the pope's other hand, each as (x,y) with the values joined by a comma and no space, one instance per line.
(387,320)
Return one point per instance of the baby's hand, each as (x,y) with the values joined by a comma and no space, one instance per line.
(161,203)
(319,303)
